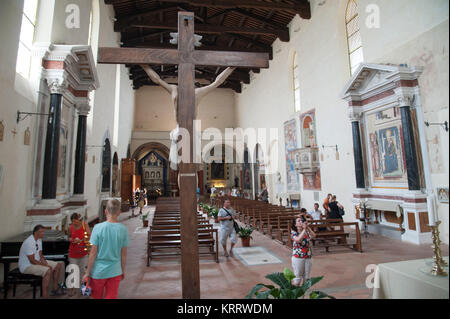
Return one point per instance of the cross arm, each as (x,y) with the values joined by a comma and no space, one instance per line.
(230,58)
(137,56)
(170,56)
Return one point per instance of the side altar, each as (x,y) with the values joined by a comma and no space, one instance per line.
(392,175)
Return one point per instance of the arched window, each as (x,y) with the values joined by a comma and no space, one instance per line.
(27,31)
(296,79)
(354,43)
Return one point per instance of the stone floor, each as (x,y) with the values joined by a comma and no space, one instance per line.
(344,270)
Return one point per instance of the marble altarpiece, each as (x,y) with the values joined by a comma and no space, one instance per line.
(384,111)
(63,76)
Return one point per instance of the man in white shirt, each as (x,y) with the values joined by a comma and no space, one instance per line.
(316,213)
(32,262)
(226,216)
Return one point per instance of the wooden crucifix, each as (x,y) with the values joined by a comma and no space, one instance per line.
(187,58)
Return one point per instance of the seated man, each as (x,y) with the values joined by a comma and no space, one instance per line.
(32,262)
(316,214)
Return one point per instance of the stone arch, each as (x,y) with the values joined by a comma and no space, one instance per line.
(163,153)
(142,150)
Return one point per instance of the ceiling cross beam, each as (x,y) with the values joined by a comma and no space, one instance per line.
(283,34)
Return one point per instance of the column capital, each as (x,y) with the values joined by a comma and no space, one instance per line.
(404,96)
(82,105)
(56,85)
(354,114)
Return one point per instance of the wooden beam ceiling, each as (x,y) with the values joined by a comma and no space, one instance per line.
(283,34)
(226,26)
(301,7)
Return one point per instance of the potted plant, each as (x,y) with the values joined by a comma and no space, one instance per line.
(285,289)
(245,235)
(214,213)
(145,220)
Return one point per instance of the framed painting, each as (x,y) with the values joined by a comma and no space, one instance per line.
(290,139)
(442,194)
(385,149)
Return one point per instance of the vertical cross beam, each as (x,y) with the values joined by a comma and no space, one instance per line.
(190,269)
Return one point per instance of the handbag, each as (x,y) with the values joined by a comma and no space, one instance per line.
(341,211)
(235,224)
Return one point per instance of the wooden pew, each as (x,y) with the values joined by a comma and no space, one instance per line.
(170,239)
(327,238)
(164,233)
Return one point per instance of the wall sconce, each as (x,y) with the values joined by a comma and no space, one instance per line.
(444,125)
(19,118)
(334,146)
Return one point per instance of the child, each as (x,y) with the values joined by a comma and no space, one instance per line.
(301,236)
(78,252)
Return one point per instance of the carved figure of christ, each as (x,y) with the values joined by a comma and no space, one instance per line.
(187,58)
(199,92)
(173,91)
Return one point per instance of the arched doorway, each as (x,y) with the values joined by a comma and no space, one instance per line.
(106,167)
(152,164)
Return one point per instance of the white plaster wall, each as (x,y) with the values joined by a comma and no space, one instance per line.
(268,101)
(16,94)
(15,157)
(101,118)
(154,115)
(126,112)
(154,109)
(413,32)
(64,11)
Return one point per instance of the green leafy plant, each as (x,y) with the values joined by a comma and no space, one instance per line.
(285,289)
(206,209)
(213,212)
(144,217)
(245,232)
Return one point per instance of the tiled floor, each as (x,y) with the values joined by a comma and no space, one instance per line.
(344,270)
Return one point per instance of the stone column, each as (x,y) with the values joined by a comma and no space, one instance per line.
(412,166)
(80,151)
(56,87)
(355,118)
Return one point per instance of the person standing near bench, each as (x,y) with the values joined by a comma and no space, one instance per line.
(78,253)
(32,262)
(334,208)
(301,236)
(325,205)
(107,260)
(226,216)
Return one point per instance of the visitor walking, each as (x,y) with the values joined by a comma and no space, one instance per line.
(107,260)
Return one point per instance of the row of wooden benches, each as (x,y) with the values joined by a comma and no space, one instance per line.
(275,222)
(164,236)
